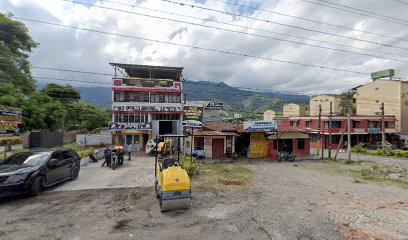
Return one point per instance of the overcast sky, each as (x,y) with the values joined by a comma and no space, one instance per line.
(81,50)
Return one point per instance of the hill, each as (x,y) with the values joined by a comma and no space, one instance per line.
(235,99)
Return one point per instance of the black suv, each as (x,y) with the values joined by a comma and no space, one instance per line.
(29,172)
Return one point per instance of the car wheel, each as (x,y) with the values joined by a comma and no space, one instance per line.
(74,172)
(36,186)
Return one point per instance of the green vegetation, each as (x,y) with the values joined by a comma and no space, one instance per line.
(53,107)
(86,152)
(359,149)
(220,175)
(190,165)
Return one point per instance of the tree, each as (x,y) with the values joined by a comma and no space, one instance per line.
(92,117)
(41,112)
(65,94)
(15,45)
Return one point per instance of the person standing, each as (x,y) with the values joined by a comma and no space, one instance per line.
(129,151)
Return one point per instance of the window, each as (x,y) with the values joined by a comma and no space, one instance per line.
(165,97)
(313,138)
(294,123)
(356,124)
(390,124)
(307,124)
(301,143)
(377,101)
(198,143)
(166,117)
(372,124)
(335,124)
(128,96)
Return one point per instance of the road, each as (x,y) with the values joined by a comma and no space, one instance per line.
(139,172)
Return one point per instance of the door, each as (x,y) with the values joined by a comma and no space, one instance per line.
(218,148)
(68,160)
(54,167)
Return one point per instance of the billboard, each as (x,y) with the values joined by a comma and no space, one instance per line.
(260,125)
(192,115)
(214,105)
(382,74)
(10,121)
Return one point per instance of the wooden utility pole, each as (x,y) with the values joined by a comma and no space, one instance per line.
(349,132)
(382,128)
(318,130)
(330,129)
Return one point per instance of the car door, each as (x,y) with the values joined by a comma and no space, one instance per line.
(54,167)
(67,162)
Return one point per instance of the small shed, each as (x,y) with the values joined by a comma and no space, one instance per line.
(215,144)
(289,140)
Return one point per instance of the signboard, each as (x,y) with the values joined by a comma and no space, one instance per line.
(130,108)
(10,122)
(260,125)
(382,74)
(134,126)
(214,105)
(359,130)
(193,113)
(374,130)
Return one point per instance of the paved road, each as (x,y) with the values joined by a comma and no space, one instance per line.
(402,162)
(139,172)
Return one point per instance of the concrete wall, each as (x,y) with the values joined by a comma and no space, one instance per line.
(404,108)
(370,96)
(324,101)
(291,109)
(269,115)
(93,139)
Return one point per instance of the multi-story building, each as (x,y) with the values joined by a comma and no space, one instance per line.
(269,115)
(146,102)
(324,101)
(364,129)
(394,95)
(292,110)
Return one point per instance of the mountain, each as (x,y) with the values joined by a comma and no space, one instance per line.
(235,99)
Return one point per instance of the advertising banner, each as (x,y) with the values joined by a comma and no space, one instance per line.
(214,105)
(192,116)
(260,125)
(10,122)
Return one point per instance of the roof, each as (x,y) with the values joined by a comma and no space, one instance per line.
(213,133)
(222,126)
(149,71)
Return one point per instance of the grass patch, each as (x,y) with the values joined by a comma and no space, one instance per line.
(221,175)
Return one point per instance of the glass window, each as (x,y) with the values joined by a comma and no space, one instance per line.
(308,124)
(198,143)
(27,158)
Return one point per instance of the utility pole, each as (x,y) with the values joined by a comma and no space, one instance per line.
(349,131)
(330,129)
(318,130)
(382,128)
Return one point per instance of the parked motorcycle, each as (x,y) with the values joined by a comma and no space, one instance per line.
(286,156)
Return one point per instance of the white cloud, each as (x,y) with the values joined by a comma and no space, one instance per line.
(81,50)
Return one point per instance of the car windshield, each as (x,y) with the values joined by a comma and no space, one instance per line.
(27,158)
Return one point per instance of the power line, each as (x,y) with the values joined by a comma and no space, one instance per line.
(355,12)
(311,20)
(399,1)
(235,31)
(283,24)
(195,47)
(256,29)
(364,11)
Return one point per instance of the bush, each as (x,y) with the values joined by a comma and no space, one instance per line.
(377,152)
(401,153)
(190,165)
(359,149)
(389,153)
(85,152)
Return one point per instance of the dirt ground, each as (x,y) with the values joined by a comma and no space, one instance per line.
(284,201)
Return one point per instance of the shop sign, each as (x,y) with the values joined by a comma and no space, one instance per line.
(359,130)
(260,125)
(214,105)
(130,126)
(374,130)
(146,108)
(193,113)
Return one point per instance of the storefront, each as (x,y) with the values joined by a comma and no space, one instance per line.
(211,144)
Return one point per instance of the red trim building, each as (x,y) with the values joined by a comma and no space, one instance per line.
(364,129)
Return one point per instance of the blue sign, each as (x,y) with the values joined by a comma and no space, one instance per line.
(260,125)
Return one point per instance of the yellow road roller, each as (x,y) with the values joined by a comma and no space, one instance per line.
(172,184)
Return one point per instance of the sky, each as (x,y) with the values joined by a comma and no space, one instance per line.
(67,48)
